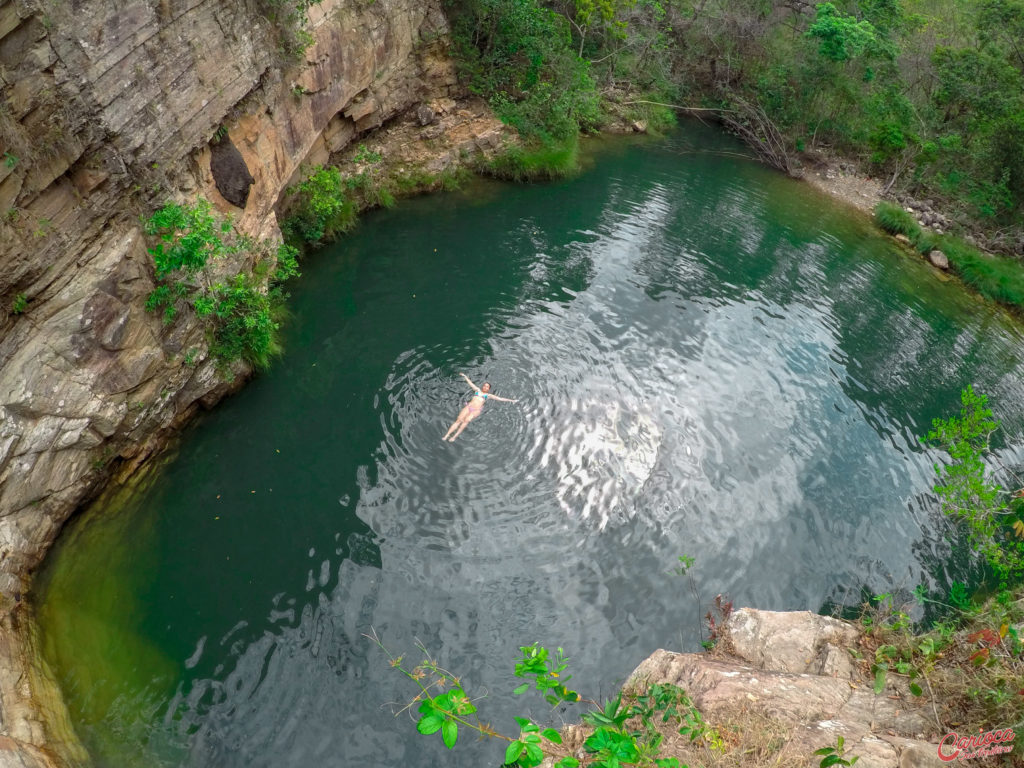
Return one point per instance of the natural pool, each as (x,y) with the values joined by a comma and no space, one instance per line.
(711,360)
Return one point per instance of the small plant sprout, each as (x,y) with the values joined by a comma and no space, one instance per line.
(835,755)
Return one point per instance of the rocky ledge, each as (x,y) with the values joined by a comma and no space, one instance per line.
(780,686)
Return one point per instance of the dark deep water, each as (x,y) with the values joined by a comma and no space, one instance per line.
(711,360)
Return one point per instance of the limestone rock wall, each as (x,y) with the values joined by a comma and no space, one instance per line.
(109,108)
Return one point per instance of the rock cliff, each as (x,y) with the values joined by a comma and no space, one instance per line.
(109,109)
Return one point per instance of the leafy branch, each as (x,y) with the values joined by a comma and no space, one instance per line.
(624,733)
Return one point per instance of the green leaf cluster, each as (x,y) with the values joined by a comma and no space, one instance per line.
(321,208)
(835,755)
(547,674)
(624,734)
(241,313)
(188,237)
(969,494)
(527,750)
(841,37)
(244,326)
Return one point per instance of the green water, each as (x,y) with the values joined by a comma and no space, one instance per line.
(710,359)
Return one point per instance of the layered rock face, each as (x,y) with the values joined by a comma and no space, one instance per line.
(109,109)
(795,671)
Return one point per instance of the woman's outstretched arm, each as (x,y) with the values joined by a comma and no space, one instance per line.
(502,399)
(474,386)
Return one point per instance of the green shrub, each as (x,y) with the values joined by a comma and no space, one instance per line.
(968,492)
(20,304)
(321,207)
(287,264)
(519,55)
(189,237)
(896,221)
(240,316)
(245,327)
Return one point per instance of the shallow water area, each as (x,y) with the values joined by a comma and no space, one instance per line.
(710,360)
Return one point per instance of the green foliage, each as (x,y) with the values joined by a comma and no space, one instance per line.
(835,755)
(547,161)
(20,304)
(970,665)
(364,155)
(623,733)
(519,55)
(998,278)
(967,492)
(245,326)
(10,160)
(321,207)
(189,236)
(287,264)
(896,221)
(241,315)
(841,37)
(546,674)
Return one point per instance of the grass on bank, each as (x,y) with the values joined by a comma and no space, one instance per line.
(996,277)
(542,162)
(327,204)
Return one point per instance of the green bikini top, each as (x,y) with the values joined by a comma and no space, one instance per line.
(480,394)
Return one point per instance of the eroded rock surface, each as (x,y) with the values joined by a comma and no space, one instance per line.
(793,668)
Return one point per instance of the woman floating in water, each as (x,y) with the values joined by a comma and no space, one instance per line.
(473,408)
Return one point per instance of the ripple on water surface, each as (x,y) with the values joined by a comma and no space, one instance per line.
(709,361)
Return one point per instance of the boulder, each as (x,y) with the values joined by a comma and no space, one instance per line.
(425,115)
(938,259)
(793,672)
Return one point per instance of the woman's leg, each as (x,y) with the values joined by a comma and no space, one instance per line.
(464,422)
(458,420)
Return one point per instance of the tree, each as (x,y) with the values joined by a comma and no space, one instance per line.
(842,37)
